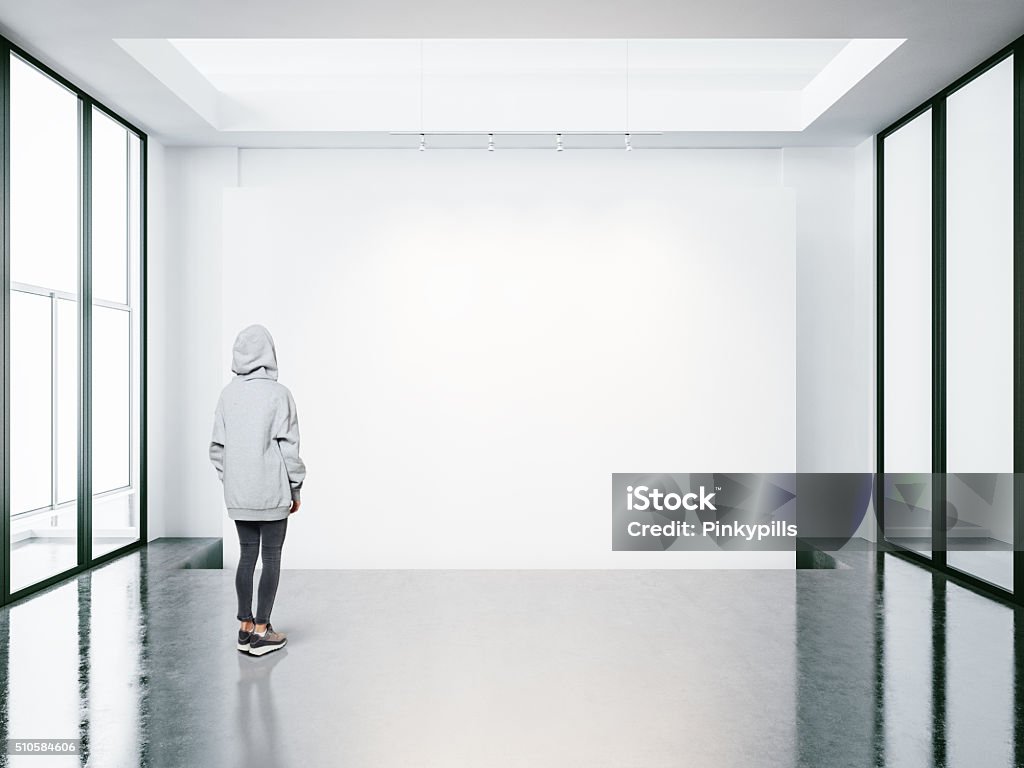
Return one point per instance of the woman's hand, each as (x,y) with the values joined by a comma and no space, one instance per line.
(295,506)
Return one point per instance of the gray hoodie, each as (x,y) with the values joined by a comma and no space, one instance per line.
(255,443)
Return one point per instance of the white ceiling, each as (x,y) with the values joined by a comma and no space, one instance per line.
(943,40)
(505,86)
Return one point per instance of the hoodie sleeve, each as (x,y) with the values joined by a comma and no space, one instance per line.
(217,441)
(287,435)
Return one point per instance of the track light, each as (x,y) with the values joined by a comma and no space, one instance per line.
(490,142)
(423,143)
(629,144)
(558,143)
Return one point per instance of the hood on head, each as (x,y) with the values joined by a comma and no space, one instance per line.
(254,349)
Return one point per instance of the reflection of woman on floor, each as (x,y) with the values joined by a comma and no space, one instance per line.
(256,715)
(255,449)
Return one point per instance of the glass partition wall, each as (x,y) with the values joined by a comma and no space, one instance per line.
(979,326)
(73,328)
(116,177)
(950,245)
(907,308)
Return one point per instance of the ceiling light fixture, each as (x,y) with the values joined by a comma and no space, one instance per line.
(558,143)
(490,142)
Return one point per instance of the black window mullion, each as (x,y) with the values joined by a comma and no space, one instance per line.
(142,345)
(5,320)
(879,344)
(1018,320)
(939,332)
(85,333)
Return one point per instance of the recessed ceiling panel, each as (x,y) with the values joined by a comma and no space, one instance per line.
(453,85)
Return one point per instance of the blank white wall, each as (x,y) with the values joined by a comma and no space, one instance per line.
(476,342)
(865,254)
(185,365)
(694,169)
(158,331)
(183,324)
(835,324)
(834,327)
(865,199)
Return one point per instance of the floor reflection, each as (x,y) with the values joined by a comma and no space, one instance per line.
(37,558)
(948,668)
(894,666)
(256,715)
(943,669)
(45,681)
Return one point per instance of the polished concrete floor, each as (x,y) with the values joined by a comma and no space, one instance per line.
(38,558)
(988,559)
(854,667)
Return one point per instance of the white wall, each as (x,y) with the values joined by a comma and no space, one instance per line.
(478,342)
(835,273)
(835,175)
(157,331)
(864,199)
(835,321)
(185,365)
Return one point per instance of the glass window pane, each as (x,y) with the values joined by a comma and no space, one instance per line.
(67,401)
(109,209)
(979,325)
(44,350)
(31,426)
(111,398)
(44,180)
(116,373)
(135,289)
(907,306)
(43,536)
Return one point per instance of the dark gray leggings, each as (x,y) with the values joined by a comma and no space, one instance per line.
(249,534)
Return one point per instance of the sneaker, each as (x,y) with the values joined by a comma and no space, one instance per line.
(267,642)
(243,640)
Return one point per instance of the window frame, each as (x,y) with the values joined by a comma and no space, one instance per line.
(84,503)
(937,103)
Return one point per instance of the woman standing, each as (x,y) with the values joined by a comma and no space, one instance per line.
(255,449)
